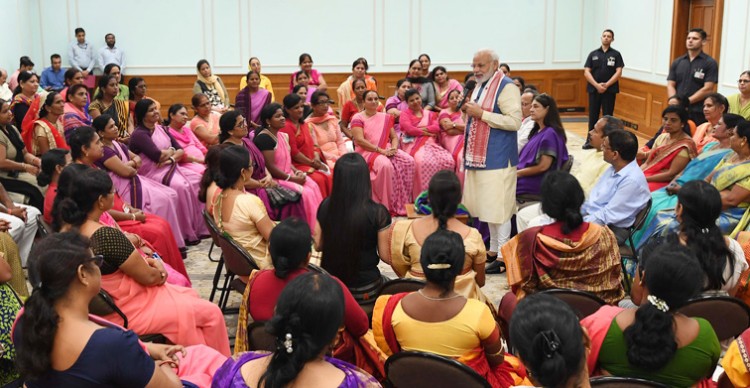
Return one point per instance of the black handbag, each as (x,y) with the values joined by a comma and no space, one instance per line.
(280,196)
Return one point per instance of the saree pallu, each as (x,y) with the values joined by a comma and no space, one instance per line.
(731,221)
(311,197)
(736,361)
(211,125)
(229,375)
(510,373)
(703,135)
(301,141)
(176,312)
(442,95)
(698,168)
(328,137)
(74,118)
(661,158)
(250,104)
(454,143)
(391,177)
(537,262)
(119,110)
(394,102)
(429,156)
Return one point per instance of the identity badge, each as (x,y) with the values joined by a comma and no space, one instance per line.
(611,61)
(699,74)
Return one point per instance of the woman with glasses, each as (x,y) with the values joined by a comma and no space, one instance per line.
(138,284)
(740,103)
(205,123)
(59,344)
(137,91)
(325,128)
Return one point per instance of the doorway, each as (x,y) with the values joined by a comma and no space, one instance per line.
(705,14)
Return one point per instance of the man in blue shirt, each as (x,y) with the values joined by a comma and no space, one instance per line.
(622,191)
(53,77)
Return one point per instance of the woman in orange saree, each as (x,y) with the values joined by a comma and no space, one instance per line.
(672,150)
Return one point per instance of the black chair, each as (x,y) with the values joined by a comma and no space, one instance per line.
(419,369)
(397,286)
(728,316)
(258,338)
(583,303)
(623,382)
(103,305)
(213,230)
(568,165)
(44,229)
(238,262)
(627,248)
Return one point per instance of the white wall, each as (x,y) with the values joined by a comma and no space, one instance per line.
(735,45)
(169,36)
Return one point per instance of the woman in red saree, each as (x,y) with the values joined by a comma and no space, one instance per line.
(672,150)
(306,155)
(42,127)
(420,131)
(391,169)
(466,327)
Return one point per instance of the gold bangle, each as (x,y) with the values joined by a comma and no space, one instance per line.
(499,352)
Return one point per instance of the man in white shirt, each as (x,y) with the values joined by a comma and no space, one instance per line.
(527,124)
(81,57)
(111,54)
(5,92)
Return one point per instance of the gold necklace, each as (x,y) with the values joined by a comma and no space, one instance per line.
(433,298)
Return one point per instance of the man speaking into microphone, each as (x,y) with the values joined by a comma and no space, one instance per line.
(491,150)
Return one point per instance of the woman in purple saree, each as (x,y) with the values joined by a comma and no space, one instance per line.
(160,154)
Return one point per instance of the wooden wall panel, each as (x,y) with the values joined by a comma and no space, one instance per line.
(567,86)
(640,104)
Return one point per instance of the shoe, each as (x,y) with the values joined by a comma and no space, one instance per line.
(496,267)
(491,259)
(587,146)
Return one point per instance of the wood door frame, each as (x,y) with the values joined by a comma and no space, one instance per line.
(680,27)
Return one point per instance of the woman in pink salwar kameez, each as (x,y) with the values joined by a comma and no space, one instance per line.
(195,152)
(139,285)
(326,131)
(274,144)
(391,169)
(452,127)
(159,153)
(419,138)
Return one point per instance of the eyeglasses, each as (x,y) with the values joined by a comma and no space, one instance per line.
(97,259)
(205,104)
(743,81)
(329,102)
(243,124)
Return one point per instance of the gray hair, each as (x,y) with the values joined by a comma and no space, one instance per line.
(489,52)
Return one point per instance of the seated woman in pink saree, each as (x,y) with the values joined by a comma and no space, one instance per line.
(391,169)
(159,153)
(671,152)
(84,350)
(326,129)
(252,99)
(195,152)
(444,86)
(139,285)
(274,144)
(136,190)
(420,133)
(205,123)
(452,127)
(396,104)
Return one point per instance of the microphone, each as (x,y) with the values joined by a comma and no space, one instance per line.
(468,88)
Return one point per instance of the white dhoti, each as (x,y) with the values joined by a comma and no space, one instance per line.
(490,195)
